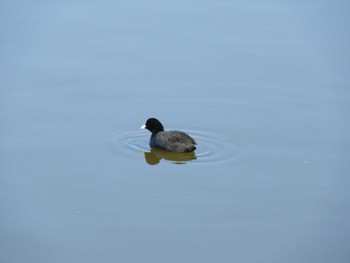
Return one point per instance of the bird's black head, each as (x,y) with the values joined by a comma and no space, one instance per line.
(153,125)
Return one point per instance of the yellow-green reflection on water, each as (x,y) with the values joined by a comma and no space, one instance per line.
(155,155)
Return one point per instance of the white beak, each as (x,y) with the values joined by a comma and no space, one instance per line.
(143,126)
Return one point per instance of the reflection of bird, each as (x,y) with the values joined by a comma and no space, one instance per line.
(173,141)
(155,155)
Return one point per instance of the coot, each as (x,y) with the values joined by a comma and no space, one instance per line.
(173,141)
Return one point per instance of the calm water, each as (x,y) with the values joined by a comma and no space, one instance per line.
(262,87)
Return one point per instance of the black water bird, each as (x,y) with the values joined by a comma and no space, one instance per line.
(173,141)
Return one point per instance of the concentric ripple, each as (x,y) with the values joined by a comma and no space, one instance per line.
(131,142)
(214,148)
(211,148)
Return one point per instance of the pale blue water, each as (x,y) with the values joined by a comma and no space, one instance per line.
(263,87)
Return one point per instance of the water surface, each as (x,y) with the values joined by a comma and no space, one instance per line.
(262,87)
